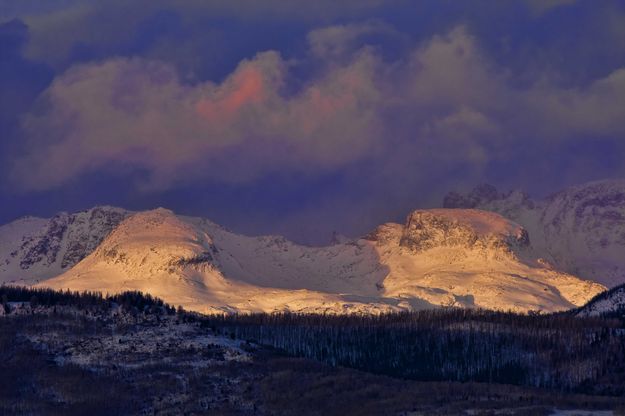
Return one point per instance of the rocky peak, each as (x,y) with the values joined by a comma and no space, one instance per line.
(46,246)
(481,194)
(595,202)
(466,228)
(91,228)
(156,240)
(385,233)
(68,238)
(581,229)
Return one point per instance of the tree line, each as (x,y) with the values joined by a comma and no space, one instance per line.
(555,351)
(128,301)
(558,351)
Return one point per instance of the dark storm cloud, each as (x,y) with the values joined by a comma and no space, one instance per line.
(21,81)
(446,96)
(346,114)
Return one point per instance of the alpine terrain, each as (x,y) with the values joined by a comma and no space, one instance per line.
(580,230)
(441,257)
(34,249)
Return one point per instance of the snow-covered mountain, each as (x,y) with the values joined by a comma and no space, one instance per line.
(610,302)
(438,257)
(580,230)
(34,249)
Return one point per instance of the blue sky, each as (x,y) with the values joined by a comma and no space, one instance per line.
(301,118)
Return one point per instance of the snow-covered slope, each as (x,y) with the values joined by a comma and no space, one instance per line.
(439,257)
(34,249)
(473,258)
(608,302)
(580,230)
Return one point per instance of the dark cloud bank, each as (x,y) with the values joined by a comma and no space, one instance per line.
(304,117)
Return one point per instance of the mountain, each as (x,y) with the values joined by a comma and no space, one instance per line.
(35,249)
(609,303)
(580,230)
(440,257)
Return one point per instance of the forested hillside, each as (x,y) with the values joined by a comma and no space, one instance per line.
(557,351)
(445,359)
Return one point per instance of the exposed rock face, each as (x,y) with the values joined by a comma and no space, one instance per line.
(98,224)
(45,247)
(54,245)
(76,235)
(386,234)
(425,230)
(470,229)
(481,194)
(580,230)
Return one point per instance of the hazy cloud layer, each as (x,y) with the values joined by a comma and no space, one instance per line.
(137,112)
(344,115)
(446,95)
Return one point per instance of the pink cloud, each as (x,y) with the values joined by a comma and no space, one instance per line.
(444,102)
(248,87)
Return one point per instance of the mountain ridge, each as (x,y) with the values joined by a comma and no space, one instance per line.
(484,249)
(437,258)
(36,249)
(580,230)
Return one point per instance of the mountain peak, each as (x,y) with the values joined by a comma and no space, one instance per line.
(468,228)
(462,257)
(41,248)
(580,230)
(479,195)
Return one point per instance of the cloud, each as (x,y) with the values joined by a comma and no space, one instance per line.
(540,7)
(335,41)
(21,81)
(577,42)
(446,106)
(595,110)
(60,32)
(137,113)
(318,114)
